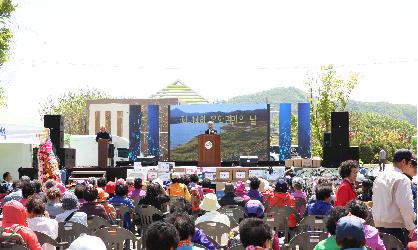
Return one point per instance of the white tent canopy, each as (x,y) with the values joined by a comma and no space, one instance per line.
(15,128)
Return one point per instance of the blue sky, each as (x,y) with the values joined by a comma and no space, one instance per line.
(133,48)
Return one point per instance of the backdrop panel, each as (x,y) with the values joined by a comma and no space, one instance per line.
(244,130)
(285,131)
(304,129)
(153,130)
(134,131)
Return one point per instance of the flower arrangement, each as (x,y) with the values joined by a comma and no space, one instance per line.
(47,163)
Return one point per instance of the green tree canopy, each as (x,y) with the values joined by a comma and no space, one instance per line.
(73,106)
(6,8)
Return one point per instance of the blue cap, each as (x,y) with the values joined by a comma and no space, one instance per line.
(350,227)
(254,207)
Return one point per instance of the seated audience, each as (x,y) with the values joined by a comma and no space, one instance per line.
(207,186)
(39,222)
(15,219)
(297,184)
(253,193)
(155,196)
(28,189)
(16,193)
(4,190)
(241,191)
(330,243)
(161,236)
(101,185)
(180,205)
(90,207)
(186,229)
(71,205)
(230,198)
(7,181)
(281,198)
(346,191)
(194,179)
(94,243)
(366,190)
(210,204)
(120,199)
(322,204)
(177,189)
(350,233)
(130,184)
(265,188)
(79,192)
(137,192)
(110,188)
(255,234)
(53,204)
(359,209)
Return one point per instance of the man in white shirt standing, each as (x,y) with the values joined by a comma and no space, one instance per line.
(393,211)
(382,159)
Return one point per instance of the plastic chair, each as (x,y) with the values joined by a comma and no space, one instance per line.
(69,231)
(44,238)
(121,210)
(96,223)
(278,219)
(234,212)
(12,246)
(145,215)
(215,231)
(306,240)
(391,242)
(316,223)
(115,238)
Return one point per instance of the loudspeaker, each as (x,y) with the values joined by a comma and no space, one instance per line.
(111,151)
(66,157)
(340,138)
(57,138)
(331,157)
(351,153)
(327,140)
(54,122)
(339,120)
(248,161)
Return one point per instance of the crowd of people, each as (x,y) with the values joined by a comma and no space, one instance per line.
(358,207)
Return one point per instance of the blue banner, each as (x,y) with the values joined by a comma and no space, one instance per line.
(304,129)
(285,131)
(153,130)
(134,131)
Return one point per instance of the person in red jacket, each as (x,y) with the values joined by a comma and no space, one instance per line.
(281,198)
(16,218)
(346,191)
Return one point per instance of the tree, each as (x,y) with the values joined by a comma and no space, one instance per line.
(72,105)
(328,94)
(6,8)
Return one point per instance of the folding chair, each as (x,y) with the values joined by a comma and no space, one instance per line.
(115,238)
(46,239)
(306,240)
(316,223)
(215,231)
(69,231)
(391,242)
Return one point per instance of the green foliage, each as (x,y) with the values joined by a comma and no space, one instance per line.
(6,8)
(73,106)
(276,95)
(372,131)
(329,94)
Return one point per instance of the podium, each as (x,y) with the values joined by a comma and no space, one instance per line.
(209,150)
(103,145)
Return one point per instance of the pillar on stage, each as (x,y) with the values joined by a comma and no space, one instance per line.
(285,131)
(154,130)
(304,130)
(134,131)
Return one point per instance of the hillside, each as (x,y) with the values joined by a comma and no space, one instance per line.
(293,95)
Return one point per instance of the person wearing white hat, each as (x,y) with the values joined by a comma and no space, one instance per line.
(210,204)
(265,188)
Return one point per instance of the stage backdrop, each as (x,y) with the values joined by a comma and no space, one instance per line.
(244,130)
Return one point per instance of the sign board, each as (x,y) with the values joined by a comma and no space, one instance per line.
(137,164)
(260,173)
(240,174)
(165,176)
(137,173)
(224,175)
(278,172)
(152,174)
(209,175)
(165,166)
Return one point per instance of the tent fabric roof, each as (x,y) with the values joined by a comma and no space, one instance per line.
(184,93)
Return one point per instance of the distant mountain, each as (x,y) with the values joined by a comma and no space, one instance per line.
(293,95)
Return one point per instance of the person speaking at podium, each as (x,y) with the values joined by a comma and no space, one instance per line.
(210,129)
(103,134)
